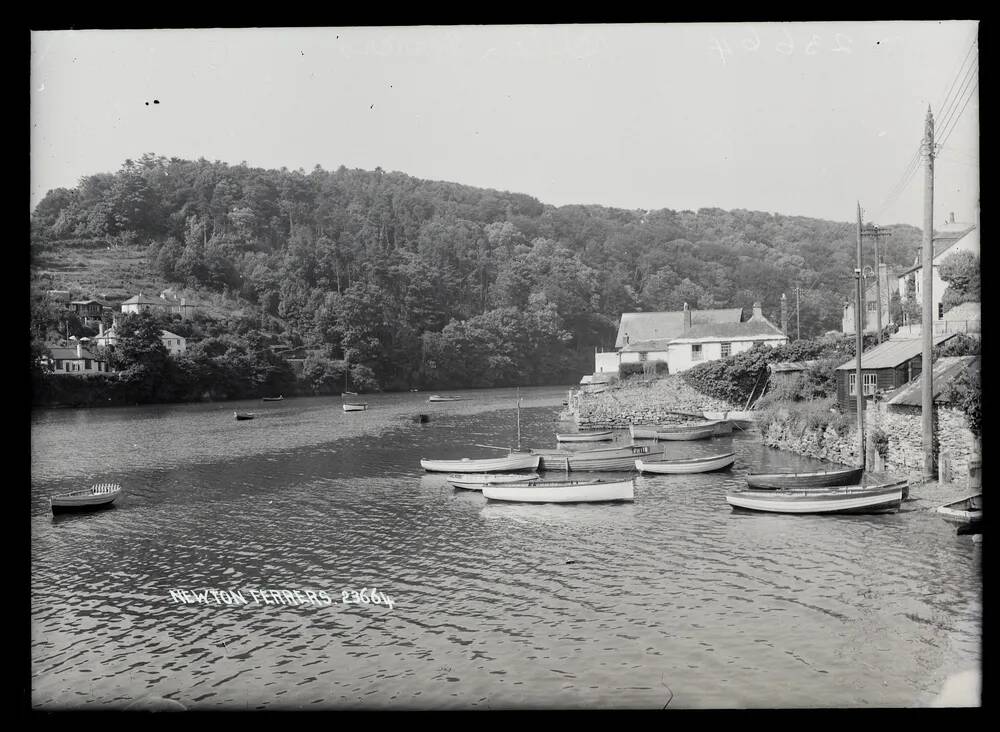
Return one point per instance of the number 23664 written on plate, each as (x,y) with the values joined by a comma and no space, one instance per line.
(367,597)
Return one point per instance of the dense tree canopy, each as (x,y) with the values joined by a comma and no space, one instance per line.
(434,283)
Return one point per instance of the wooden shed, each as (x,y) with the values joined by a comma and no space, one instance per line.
(883,368)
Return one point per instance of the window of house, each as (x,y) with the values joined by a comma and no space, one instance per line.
(940,310)
(696,352)
(869,383)
(852,384)
(871,306)
(758,343)
(727,349)
(642,355)
(86,364)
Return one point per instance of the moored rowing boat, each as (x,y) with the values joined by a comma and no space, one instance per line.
(687,465)
(475,482)
(814,479)
(585,436)
(602,458)
(99,495)
(514,461)
(562,491)
(831,499)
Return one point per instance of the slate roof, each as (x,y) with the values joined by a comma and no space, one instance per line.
(943,244)
(891,354)
(60,353)
(753,328)
(668,325)
(945,370)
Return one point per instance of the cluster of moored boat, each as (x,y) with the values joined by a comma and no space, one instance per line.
(841,490)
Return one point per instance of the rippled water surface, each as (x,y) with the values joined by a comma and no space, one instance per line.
(674,599)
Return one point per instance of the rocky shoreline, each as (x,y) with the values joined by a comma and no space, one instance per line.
(634,401)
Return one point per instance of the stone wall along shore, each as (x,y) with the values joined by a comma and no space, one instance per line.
(665,400)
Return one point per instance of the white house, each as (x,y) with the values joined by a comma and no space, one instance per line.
(174,343)
(887,285)
(141,303)
(75,361)
(953,237)
(719,334)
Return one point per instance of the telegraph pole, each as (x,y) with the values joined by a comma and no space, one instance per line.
(798,329)
(926,366)
(859,345)
(876,234)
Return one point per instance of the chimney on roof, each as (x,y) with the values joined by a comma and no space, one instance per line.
(100,328)
(79,350)
(784,314)
(951,217)
(687,317)
(757,314)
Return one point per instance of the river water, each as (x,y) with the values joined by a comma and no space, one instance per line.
(674,600)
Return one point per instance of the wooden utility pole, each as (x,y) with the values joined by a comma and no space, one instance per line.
(859,346)
(876,234)
(798,329)
(927,262)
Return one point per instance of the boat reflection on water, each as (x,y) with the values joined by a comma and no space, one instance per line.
(591,515)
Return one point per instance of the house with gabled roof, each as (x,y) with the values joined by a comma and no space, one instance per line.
(953,237)
(174,343)
(688,341)
(141,303)
(75,361)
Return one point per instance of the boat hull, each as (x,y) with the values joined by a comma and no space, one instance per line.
(690,433)
(585,436)
(610,459)
(485,465)
(963,511)
(96,498)
(818,479)
(827,500)
(680,467)
(444,399)
(562,491)
(355,407)
(475,482)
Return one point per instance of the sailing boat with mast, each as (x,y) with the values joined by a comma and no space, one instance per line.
(351,406)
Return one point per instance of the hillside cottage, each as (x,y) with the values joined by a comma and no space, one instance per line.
(174,343)
(75,361)
(888,285)
(953,237)
(141,303)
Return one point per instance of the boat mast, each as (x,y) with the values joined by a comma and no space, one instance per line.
(519,419)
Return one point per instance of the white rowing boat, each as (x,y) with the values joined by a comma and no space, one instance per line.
(514,461)
(585,436)
(99,495)
(474,482)
(601,458)
(687,465)
(438,398)
(355,406)
(840,499)
(963,510)
(562,491)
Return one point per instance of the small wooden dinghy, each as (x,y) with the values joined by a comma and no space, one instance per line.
(690,431)
(831,499)
(815,479)
(438,398)
(601,458)
(273,399)
(585,436)
(99,495)
(476,482)
(243,415)
(687,465)
(514,461)
(355,406)
(963,510)
(562,491)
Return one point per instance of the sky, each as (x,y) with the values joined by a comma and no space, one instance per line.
(793,118)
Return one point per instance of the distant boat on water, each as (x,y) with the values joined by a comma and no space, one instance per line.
(355,406)
(439,398)
(240,416)
(99,495)
(272,399)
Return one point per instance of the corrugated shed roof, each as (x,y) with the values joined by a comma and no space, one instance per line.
(668,325)
(891,354)
(945,370)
